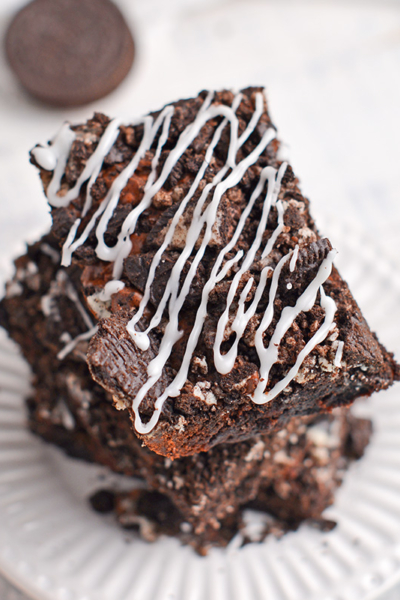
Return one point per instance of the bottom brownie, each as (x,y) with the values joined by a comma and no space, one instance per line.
(297,474)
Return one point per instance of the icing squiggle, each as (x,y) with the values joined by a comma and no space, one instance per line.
(197,240)
(141,338)
(269,356)
(224,362)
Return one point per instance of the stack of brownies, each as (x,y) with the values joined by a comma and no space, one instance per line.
(185,323)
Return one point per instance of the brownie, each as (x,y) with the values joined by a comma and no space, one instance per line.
(219,314)
(187,325)
(292,478)
(200,497)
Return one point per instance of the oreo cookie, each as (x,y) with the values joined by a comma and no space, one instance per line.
(69,52)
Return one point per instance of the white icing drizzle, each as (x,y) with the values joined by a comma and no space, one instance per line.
(58,150)
(70,245)
(172,333)
(338,356)
(330,309)
(198,238)
(224,362)
(269,356)
(106,208)
(293,260)
(45,157)
(141,338)
(123,246)
(112,287)
(54,156)
(100,302)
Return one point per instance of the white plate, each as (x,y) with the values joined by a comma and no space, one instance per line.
(55,548)
(331,72)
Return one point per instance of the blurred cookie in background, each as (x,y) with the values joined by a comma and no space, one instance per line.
(69,52)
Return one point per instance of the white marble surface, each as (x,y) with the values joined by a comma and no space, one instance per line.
(331,70)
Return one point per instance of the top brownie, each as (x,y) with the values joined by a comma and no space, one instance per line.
(220,313)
